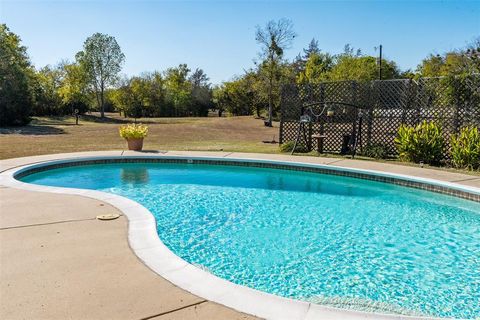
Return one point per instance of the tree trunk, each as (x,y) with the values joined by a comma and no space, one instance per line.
(270,104)
(98,98)
(270,98)
(102,106)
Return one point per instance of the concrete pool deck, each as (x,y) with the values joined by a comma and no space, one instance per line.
(58,262)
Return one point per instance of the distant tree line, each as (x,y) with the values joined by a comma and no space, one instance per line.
(249,93)
(93,81)
(177,92)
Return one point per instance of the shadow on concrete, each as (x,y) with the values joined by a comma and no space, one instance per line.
(153,151)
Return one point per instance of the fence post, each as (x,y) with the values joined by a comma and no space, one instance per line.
(280,135)
(418,113)
(310,132)
(457,91)
(407,105)
(282,114)
(371,103)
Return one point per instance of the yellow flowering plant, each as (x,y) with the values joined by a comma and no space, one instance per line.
(133,131)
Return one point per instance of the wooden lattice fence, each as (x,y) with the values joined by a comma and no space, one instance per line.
(452,102)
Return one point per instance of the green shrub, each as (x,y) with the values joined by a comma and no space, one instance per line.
(465,150)
(288,147)
(422,143)
(376,151)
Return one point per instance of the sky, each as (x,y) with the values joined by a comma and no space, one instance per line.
(219,36)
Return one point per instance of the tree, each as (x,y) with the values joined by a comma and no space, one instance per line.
(256,89)
(16,73)
(312,49)
(74,90)
(350,51)
(127,98)
(156,94)
(178,89)
(142,95)
(102,59)
(431,66)
(201,93)
(199,78)
(317,68)
(472,54)
(265,94)
(274,39)
(46,85)
(175,93)
(300,61)
(219,99)
(362,68)
(453,63)
(235,98)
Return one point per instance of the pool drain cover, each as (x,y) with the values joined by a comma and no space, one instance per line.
(109,216)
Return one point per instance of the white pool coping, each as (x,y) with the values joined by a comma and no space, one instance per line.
(145,243)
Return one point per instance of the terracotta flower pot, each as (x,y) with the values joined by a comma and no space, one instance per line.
(135,144)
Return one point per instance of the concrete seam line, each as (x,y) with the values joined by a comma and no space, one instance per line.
(468,179)
(174,310)
(335,161)
(46,223)
(21,165)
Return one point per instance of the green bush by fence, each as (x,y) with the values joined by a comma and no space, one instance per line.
(421,143)
(465,151)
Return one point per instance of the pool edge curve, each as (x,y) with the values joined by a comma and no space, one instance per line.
(147,246)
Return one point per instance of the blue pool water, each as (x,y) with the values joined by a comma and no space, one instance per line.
(331,240)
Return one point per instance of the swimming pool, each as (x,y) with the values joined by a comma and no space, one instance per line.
(333,240)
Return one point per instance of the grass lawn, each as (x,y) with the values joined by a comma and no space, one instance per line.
(47,135)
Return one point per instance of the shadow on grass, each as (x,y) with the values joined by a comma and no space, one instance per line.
(115,118)
(109,119)
(32,130)
(97,119)
(70,121)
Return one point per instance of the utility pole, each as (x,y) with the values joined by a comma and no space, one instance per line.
(380,64)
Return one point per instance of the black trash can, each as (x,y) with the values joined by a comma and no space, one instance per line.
(346,144)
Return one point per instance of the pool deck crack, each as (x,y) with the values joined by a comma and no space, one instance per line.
(308,310)
(46,223)
(173,310)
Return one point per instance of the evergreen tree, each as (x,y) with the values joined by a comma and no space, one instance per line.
(312,49)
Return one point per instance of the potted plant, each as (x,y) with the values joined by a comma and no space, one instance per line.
(134,134)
